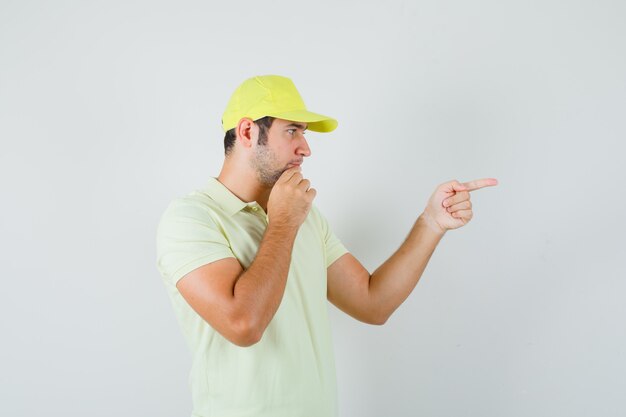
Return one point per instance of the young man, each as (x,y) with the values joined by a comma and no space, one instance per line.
(249,263)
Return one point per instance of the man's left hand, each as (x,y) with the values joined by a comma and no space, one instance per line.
(449,207)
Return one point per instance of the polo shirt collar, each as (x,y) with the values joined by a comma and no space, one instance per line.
(228,201)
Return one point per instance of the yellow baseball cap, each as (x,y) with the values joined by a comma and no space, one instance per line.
(275,96)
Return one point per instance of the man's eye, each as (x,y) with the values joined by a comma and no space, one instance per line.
(291,131)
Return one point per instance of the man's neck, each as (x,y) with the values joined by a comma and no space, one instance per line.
(244,184)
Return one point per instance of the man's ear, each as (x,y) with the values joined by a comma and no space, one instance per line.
(246,131)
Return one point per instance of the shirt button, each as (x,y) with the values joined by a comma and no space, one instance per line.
(255,208)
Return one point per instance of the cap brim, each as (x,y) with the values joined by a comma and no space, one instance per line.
(315,122)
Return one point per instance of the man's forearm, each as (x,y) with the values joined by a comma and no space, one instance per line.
(394,280)
(259,290)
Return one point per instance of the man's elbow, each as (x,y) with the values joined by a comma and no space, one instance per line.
(245,340)
(245,333)
(375,318)
(379,320)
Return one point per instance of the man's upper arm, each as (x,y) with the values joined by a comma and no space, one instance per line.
(347,280)
(348,288)
(195,256)
(209,290)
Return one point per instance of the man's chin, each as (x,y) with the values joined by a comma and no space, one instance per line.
(269,180)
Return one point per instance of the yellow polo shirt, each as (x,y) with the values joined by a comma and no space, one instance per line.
(290,372)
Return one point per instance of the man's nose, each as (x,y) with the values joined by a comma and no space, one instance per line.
(304,149)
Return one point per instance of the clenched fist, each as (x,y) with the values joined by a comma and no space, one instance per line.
(290,199)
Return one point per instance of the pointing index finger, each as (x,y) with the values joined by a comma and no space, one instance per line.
(478,184)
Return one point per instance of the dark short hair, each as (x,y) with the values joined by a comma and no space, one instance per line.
(264,124)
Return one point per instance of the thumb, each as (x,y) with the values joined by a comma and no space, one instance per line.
(457,186)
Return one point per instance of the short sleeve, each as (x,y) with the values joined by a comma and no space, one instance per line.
(187,238)
(333,247)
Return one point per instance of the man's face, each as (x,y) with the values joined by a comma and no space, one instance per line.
(286,147)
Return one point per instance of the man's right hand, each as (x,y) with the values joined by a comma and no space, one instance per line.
(290,199)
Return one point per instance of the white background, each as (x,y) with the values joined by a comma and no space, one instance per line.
(109,110)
